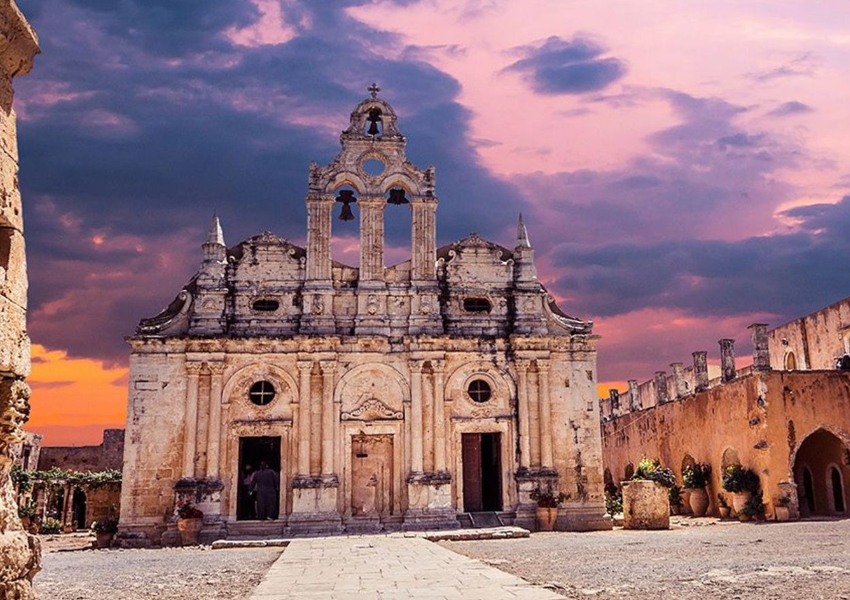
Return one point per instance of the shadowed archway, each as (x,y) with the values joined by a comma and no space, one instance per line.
(821,473)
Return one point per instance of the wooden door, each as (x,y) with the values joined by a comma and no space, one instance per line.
(471,456)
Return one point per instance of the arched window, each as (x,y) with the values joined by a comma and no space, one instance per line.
(345,241)
(790,362)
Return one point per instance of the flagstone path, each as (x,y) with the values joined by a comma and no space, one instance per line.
(387,568)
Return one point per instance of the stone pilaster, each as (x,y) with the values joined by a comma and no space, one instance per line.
(523,414)
(305,371)
(423,241)
(319,216)
(193,373)
(214,429)
(440,425)
(546,420)
(416,460)
(371,240)
(328,417)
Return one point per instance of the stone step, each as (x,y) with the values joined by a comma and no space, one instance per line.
(253,530)
(486,519)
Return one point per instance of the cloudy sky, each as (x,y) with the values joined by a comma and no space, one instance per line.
(683,167)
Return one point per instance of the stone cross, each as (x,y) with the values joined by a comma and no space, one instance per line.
(374,89)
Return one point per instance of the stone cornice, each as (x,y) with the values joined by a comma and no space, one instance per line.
(18,41)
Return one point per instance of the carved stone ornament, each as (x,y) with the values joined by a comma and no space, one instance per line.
(372,410)
(318,305)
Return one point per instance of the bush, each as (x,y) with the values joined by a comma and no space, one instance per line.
(737,479)
(547,498)
(50,525)
(105,526)
(721,501)
(653,471)
(614,503)
(697,476)
(27,511)
(187,510)
(675,495)
(754,506)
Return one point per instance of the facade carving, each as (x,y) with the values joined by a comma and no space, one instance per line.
(395,397)
(20,551)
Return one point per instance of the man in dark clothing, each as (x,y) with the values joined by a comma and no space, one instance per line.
(266,484)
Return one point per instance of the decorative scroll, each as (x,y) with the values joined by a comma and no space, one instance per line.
(372,410)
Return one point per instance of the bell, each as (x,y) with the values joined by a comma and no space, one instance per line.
(374,119)
(397,197)
(346,197)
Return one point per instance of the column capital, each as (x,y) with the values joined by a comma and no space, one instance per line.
(522,364)
(438,365)
(543,365)
(328,366)
(304,365)
(216,368)
(193,368)
(416,365)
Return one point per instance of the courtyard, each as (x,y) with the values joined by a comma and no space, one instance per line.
(695,560)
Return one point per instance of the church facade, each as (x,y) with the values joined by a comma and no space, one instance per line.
(386,398)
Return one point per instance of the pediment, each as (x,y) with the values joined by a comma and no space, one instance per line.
(372,410)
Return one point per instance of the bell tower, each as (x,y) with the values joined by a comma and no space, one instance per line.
(372,172)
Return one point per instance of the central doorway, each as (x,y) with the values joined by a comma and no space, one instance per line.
(482,471)
(252,452)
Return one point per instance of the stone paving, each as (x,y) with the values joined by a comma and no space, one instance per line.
(387,568)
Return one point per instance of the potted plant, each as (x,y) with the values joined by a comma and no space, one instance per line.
(189,523)
(742,483)
(646,498)
(547,507)
(782,509)
(674,494)
(696,478)
(27,514)
(753,508)
(104,531)
(723,507)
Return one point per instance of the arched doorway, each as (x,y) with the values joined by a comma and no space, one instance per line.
(820,472)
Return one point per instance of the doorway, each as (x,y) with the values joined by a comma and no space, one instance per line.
(252,452)
(372,476)
(78,508)
(482,471)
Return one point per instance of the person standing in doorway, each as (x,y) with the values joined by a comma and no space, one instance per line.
(266,485)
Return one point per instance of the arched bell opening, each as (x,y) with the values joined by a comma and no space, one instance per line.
(345,241)
(397,225)
(821,474)
(374,122)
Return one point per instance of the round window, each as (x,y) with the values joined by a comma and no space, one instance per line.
(479,390)
(261,393)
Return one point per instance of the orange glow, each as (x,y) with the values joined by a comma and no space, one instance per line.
(74,399)
(603,387)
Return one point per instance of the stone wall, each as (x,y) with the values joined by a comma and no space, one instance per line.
(759,420)
(814,341)
(109,454)
(19,552)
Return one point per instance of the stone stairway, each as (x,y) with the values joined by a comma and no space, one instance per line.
(255,530)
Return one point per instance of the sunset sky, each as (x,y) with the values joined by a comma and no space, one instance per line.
(683,167)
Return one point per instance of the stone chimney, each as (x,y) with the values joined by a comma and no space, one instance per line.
(605,408)
(614,398)
(727,359)
(661,387)
(634,398)
(679,380)
(700,370)
(761,351)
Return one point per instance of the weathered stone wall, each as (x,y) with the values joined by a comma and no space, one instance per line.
(109,454)
(760,420)
(19,552)
(814,341)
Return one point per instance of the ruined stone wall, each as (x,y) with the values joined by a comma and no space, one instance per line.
(107,455)
(762,418)
(813,341)
(19,552)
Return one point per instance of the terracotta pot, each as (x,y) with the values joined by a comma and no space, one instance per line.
(699,502)
(104,540)
(189,530)
(739,500)
(783,513)
(68,529)
(675,509)
(685,507)
(546,518)
(725,511)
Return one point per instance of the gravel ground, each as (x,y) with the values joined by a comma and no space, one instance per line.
(729,561)
(167,574)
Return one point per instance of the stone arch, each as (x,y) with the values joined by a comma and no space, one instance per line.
(236,387)
(687,461)
(402,180)
(341,178)
(790,361)
(502,385)
(814,464)
(372,381)
(630,472)
(730,458)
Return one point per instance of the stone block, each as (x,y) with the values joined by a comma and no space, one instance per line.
(11,214)
(645,505)
(14,342)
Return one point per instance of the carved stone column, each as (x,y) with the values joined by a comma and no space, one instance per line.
(193,371)
(439,416)
(214,429)
(328,416)
(523,415)
(305,369)
(423,241)
(371,239)
(319,215)
(416,462)
(545,415)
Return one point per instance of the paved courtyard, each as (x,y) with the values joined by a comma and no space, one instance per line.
(718,561)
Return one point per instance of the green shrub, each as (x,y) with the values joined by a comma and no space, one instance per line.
(614,503)
(697,476)
(737,479)
(754,506)
(721,501)
(105,526)
(675,495)
(653,471)
(50,525)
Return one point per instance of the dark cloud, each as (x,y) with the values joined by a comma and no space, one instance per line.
(790,108)
(560,66)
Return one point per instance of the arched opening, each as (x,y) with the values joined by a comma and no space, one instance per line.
(790,362)
(630,471)
(730,458)
(345,239)
(397,226)
(78,509)
(820,472)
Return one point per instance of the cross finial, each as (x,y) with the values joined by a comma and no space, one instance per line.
(374,89)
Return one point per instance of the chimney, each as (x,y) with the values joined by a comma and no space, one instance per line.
(605,408)
(679,380)
(761,350)
(614,398)
(700,370)
(660,387)
(634,399)
(727,359)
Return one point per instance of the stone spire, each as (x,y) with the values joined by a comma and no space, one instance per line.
(522,234)
(215,252)
(215,236)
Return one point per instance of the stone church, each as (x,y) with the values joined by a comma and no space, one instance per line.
(438,392)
